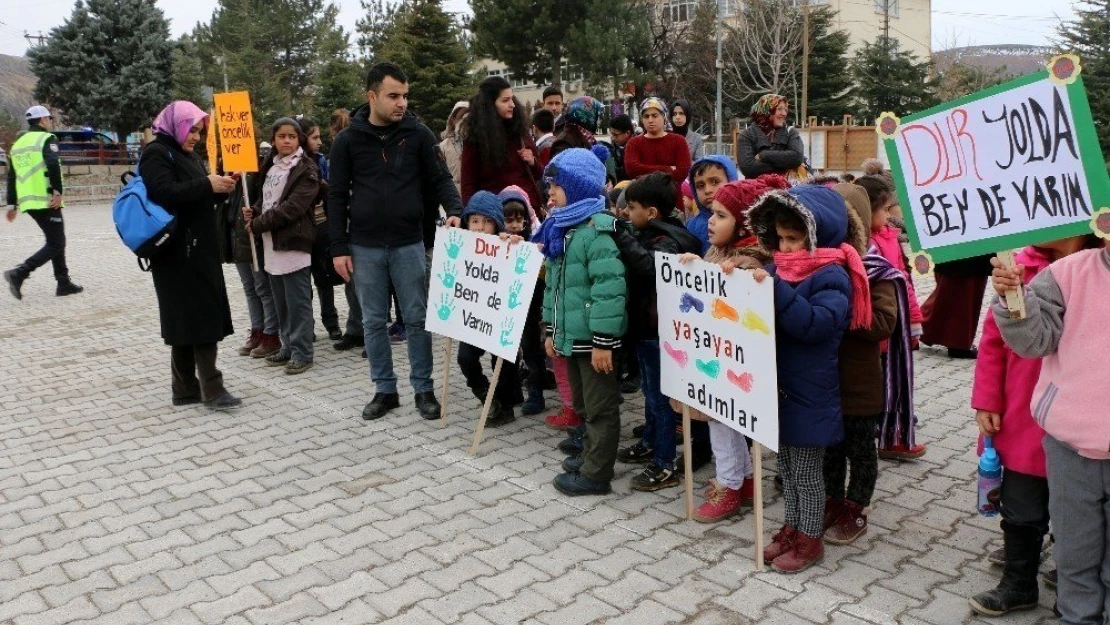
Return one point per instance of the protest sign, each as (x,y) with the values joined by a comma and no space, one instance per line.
(210,144)
(717,343)
(481,288)
(1014,165)
(236,126)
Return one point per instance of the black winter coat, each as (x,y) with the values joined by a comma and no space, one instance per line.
(638,248)
(786,153)
(188,278)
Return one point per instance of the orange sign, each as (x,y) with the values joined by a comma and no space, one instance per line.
(210,144)
(236,127)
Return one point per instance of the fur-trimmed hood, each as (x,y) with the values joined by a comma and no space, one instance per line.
(825,213)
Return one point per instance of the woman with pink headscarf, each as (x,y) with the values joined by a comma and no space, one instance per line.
(188,278)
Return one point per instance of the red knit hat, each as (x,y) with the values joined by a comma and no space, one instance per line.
(738,196)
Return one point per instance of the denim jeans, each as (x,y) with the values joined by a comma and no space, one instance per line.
(354,311)
(260,299)
(375,269)
(660,418)
(293,299)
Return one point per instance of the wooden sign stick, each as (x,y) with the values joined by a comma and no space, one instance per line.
(688,462)
(757,475)
(250,235)
(446,375)
(485,408)
(1015,299)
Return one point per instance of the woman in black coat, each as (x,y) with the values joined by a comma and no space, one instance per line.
(768,145)
(188,278)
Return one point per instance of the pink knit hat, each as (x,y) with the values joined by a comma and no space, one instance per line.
(686,190)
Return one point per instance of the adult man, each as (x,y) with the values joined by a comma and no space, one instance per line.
(543,129)
(35,186)
(620,131)
(553,100)
(380,166)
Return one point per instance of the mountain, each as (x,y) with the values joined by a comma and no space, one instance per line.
(1015,60)
(16,85)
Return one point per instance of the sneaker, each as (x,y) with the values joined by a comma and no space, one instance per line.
(67,287)
(721,502)
(576,484)
(805,551)
(565,419)
(293,367)
(500,415)
(334,334)
(398,334)
(850,524)
(655,477)
(15,279)
(535,403)
(572,464)
(572,445)
(380,406)
(781,542)
(348,342)
(899,452)
(427,405)
(278,359)
(254,338)
(635,454)
(224,402)
(268,346)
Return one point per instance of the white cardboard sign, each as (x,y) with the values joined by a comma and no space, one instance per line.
(717,345)
(481,288)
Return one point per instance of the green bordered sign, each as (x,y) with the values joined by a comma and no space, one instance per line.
(1011,166)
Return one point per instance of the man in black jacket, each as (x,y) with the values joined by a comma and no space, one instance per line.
(381,167)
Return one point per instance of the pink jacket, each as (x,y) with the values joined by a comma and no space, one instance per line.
(886,239)
(1004,383)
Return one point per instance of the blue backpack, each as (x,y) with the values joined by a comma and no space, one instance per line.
(144,226)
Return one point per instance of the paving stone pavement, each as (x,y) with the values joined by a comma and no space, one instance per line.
(116,508)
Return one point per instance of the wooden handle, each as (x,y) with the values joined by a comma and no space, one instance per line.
(1015,299)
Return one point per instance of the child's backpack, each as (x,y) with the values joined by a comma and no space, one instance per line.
(145,227)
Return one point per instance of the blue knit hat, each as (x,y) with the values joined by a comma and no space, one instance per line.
(579,172)
(485,204)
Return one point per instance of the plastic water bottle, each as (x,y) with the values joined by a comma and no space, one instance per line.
(990,479)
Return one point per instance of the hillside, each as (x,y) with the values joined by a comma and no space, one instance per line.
(16,85)
(1017,60)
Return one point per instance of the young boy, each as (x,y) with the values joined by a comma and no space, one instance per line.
(706,176)
(484,214)
(820,290)
(651,211)
(518,221)
(584,311)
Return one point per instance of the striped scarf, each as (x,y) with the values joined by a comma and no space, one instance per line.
(898,420)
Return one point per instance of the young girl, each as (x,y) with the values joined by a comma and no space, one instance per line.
(323,274)
(521,221)
(821,291)
(484,214)
(885,236)
(1002,396)
(290,187)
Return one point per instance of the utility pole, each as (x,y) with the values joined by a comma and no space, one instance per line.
(805,62)
(223,63)
(35,40)
(720,75)
(886,27)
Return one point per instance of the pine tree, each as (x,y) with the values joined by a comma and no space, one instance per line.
(889,79)
(188,75)
(108,65)
(830,82)
(338,80)
(1089,37)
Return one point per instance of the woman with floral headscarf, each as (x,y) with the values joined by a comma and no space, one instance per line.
(657,149)
(188,278)
(768,145)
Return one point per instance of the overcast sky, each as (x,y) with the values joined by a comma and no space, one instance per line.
(960,21)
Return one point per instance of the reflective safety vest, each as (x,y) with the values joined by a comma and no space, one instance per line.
(32,186)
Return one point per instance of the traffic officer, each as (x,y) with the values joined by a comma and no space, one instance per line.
(35,186)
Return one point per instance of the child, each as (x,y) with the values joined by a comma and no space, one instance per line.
(323,272)
(732,245)
(484,213)
(821,291)
(657,149)
(862,397)
(651,213)
(584,310)
(519,221)
(885,237)
(706,176)
(1065,326)
(1002,396)
(290,188)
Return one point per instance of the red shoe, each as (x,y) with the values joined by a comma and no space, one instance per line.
(833,508)
(268,346)
(805,552)
(721,502)
(747,492)
(849,525)
(781,542)
(900,452)
(565,419)
(253,339)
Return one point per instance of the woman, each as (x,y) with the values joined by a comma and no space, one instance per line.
(657,149)
(188,279)
(498,151)
(452,144)
(680,125)
(768,145)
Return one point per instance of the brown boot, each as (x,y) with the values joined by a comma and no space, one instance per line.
(849,525)
(252,342)
(832,512)
(781,542)
(807,551)
(268,346)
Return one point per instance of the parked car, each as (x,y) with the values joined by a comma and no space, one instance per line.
(90,147)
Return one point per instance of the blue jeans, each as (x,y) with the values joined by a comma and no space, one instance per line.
(375,269)
(659,416)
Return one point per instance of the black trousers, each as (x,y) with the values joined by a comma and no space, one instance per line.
(507,392)
(54,251)
(195,373)
(531,343)
(1024,500)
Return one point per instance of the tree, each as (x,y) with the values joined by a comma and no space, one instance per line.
(830,85)
(889,79)
(374,25)
(955,78)
(109,65)
(1089,37)
(188,75)
(763,52)
(607,41)
(338,81)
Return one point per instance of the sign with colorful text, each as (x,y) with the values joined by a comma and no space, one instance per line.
(1014,165)
(717,344)
(481,288)
(236,127)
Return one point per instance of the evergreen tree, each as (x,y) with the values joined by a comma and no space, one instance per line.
(188,75)
(1089,37)
(374,25)
(607,41)
(108,65)
(956,79)
(339,81)
(889,79)
(830,83)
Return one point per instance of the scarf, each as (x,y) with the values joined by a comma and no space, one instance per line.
(553,231)
(797,266)
(897,424)
(287,163)
(177,119)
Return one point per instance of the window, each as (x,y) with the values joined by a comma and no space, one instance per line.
(881,6)
(679,10)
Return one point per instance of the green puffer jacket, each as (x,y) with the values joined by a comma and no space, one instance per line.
(584,302)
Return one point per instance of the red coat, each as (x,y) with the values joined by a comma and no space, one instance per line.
(1004,383)
(476,176)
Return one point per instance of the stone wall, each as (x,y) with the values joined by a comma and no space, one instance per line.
(85,184)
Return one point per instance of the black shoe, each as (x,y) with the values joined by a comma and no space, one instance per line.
(963,354)
(15,278)
(348,342)
(427,405)
(630,385)
(572,464)
(67,287)
(1018,589)
(572,445)
(364,352)
(576,484)
(335,335)
(635,454)
(500,415)
(227,401)
(535,403)
(655,477)
(188,400)
(638,431)
(380,405)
